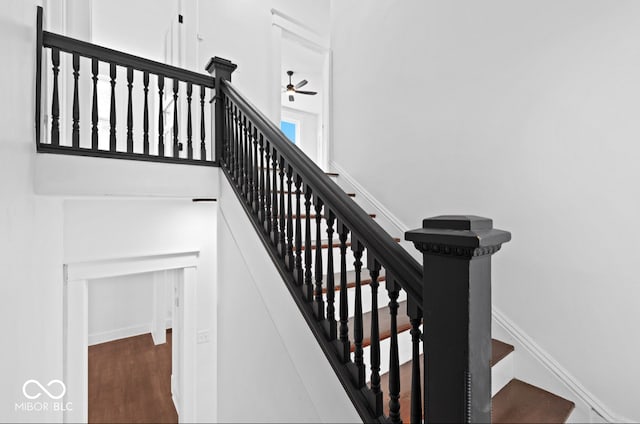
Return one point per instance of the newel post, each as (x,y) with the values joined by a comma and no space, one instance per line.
(221,69)
(457,315)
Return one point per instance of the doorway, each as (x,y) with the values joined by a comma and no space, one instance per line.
(78,276)
(299,49)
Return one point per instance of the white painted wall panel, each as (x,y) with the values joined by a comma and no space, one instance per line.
(525,112)
(263,339)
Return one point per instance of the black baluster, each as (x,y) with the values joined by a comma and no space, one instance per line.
(415,315)
(189,125)
(299,274)
(358,371)
(248,134)
(75,134)
(130,111)
(307,289)
(282,243)
(237,147)
(232,142)
(203,147)
(274,199)
(161,117)
(256,182)
(331,289)
(267,193)
(94,105)
(240,150)
(227,134)
(55,103)
(112,116)
(319,302)
(261,208)
(176,145)
(394,361)
(243,153)
(376,399)
(145,119)
(289,251)
(343,345)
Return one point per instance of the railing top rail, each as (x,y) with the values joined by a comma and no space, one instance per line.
(397,262)
(72,45)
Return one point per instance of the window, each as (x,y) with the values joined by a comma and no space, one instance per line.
(289,129)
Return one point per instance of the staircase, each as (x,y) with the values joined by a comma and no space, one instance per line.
(513,400)
(360,293)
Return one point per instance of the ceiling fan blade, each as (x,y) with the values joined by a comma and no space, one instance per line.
(307,92)
(291,98)
(302,84)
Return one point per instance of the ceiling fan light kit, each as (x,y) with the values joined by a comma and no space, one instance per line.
(292,89)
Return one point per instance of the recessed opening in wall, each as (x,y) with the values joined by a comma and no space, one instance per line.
(130,347)
(167,282)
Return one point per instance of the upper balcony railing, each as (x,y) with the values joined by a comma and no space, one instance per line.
(101,102)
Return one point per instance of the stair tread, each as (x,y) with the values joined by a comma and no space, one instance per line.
(520,402)
(365,279)
(499,350)
(405,377)
(384,323)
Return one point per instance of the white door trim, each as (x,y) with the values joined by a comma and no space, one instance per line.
(76,283)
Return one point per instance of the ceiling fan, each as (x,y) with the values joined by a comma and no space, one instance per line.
(293,89)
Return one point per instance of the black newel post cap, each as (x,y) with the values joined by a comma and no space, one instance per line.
(220,63)
(458,235)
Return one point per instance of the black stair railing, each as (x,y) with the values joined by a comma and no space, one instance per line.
(441,372)
(298,211)
(119,105)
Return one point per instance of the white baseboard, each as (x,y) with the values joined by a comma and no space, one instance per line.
(591,407)
(122,333)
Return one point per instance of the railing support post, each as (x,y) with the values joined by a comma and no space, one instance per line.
(221,69)
(457,315)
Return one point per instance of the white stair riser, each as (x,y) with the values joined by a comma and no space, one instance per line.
(383,299)
(502,373)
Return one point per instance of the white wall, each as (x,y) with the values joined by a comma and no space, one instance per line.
(271,368)
(525,112)
(123,306)
(31,229)
(308,129)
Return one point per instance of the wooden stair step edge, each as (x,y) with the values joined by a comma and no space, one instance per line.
(365,279)
(384,323)
(497,353)
(499,350)
(325,244)
(520,402)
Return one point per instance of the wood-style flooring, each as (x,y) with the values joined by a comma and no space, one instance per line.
(130,381)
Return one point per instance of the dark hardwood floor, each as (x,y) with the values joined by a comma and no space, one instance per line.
(130,381)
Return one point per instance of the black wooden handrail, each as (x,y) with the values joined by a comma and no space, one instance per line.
(395,259)
(71,45)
